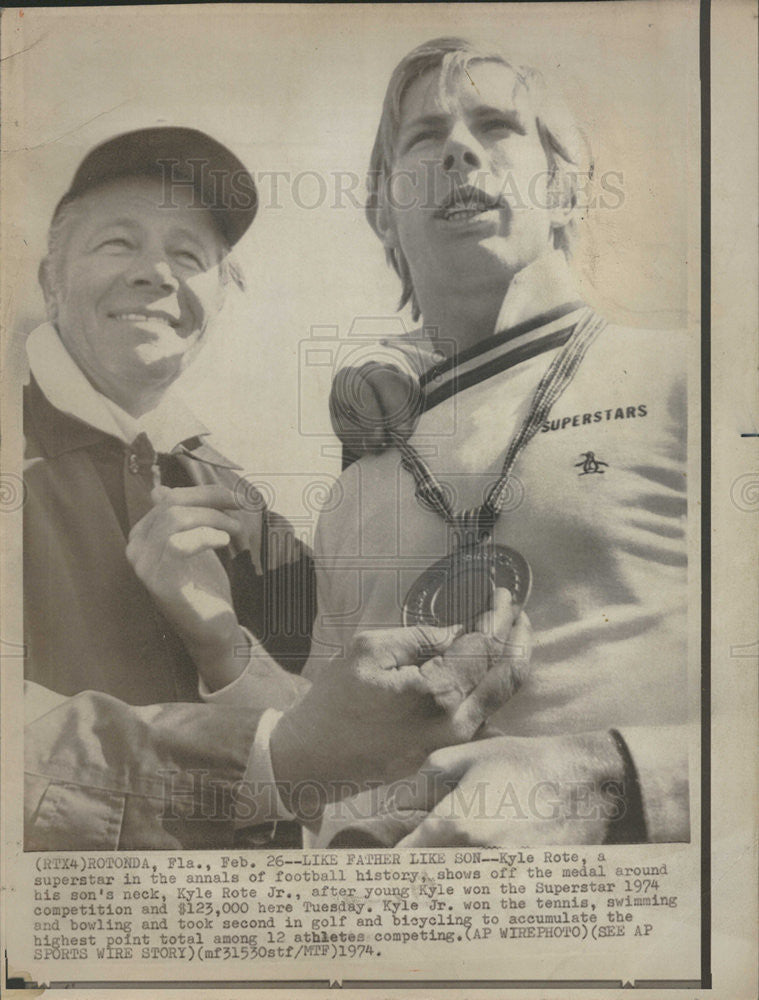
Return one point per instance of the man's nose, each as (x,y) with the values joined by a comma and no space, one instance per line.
(153,271)
(462,151)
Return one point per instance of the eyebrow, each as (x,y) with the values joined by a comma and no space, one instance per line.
(217,252)
(114,223)
(424,121)
(132,224)
(510,114)
(188,235)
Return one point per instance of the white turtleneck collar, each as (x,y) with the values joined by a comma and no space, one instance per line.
(68,390)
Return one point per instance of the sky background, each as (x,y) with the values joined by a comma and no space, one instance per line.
(299,89)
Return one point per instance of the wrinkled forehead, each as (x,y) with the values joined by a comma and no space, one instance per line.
(461,84)
(146,201)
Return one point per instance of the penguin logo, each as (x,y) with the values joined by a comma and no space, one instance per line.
(590,464)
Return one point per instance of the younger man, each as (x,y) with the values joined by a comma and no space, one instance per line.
(569,431)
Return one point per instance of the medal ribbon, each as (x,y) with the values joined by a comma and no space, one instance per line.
(476,523)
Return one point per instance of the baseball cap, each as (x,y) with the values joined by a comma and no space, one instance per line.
(181,157)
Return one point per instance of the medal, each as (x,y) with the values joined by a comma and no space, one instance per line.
(459,587)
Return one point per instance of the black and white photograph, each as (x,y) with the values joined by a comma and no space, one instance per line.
(356,472)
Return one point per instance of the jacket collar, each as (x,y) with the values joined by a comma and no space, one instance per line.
(53,431)
(56,433)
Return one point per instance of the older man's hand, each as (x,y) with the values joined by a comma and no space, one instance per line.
(171,549)
(375,713)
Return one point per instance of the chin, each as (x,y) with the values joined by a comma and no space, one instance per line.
(158,367)
(490,263)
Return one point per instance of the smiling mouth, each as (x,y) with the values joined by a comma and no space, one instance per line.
(133,316)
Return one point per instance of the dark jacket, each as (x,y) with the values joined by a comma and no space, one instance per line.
(89,622)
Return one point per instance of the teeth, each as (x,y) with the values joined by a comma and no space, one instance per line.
(141,317)
(464,213)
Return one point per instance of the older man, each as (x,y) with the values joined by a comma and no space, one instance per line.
(549,455)
(136,274)
(151,577)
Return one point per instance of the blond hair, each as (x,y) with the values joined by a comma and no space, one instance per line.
(566,148)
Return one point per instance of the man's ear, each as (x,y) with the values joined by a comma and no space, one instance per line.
(44,274)
(563,197)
